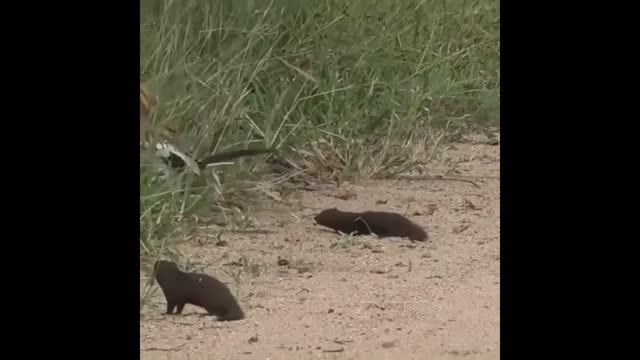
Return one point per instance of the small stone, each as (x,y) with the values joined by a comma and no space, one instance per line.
(388,344)
(283,262)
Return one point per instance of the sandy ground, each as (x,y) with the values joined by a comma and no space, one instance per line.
(345,297)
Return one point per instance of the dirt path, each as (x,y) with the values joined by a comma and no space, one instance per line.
(356,297)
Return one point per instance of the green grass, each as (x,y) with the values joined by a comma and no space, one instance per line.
(349,88)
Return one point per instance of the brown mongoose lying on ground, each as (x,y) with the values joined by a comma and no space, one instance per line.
(383,224)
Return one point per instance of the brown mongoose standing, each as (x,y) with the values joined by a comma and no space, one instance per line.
(181,288)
